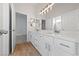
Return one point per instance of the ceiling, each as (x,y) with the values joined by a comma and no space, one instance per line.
(58,8)
(64,7)
(37,6)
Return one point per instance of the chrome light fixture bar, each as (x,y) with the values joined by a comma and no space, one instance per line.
(49,6)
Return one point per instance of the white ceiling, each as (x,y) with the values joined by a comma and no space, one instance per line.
(35,6)
(58,7)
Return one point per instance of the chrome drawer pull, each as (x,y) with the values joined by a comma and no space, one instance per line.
(64,45)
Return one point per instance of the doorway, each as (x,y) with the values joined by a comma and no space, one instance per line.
(21,28)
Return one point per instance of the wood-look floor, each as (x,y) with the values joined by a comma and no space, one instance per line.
(25,49)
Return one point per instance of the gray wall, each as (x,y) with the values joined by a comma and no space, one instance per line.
(21,24)
(21,28)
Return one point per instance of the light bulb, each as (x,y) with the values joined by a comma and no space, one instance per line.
(47,10)
(50,8)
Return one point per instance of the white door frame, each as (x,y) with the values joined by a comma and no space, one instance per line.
(13,14)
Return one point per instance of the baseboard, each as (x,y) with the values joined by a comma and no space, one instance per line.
(21,39)
(20,34)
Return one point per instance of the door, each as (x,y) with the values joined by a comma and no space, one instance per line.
(13,24)
(0,45)
(4,27)
(0,29)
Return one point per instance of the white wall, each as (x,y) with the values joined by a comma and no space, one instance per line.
(70,21)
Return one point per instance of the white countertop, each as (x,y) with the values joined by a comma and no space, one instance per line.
(69,36)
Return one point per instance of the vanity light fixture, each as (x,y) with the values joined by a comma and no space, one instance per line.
(46,9)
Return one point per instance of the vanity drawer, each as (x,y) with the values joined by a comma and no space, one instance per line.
(66,46)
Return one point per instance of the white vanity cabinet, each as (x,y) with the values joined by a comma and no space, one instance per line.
(44,44)
(53,45)
(39,43)
(64,48)
(34,39)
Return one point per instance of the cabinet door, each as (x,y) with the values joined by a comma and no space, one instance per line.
(32,37)
(58,52)
(50,40)
(44,46)
(29,36)
(35,40)
(50,45)
(64,46)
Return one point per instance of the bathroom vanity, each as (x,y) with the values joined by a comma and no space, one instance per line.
(53,44)
(61,35)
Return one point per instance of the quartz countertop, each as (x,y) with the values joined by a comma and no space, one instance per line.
(70,36)
(65,35)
